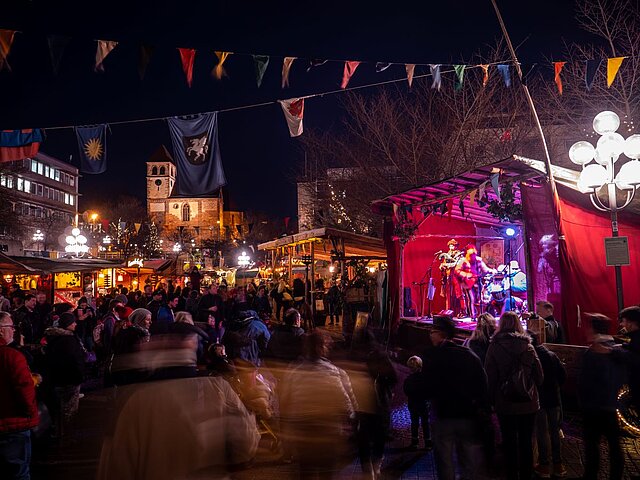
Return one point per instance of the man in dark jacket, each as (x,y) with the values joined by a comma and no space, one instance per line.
(27,320)
(550,413)
(18,407)
(456,384)
(553,329)
(285,344)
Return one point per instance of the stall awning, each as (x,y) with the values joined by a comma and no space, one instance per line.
(47,265)
(9,265)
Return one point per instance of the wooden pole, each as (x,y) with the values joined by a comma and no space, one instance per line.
(313,279)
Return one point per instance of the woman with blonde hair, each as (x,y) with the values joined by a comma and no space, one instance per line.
(478,343)
(185,327)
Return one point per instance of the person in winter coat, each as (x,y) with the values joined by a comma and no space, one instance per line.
(18,407)
(65,357)
(550,413)
(185,327)
(285,344)
(600,380)
(417,403)
(247,337)
(128,339)
(511,351)
(481,336)
(334,303)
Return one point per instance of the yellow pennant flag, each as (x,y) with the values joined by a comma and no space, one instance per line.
(472,197)
(286,66)
(485,78)
(219,70)
(410,68)
(613,65)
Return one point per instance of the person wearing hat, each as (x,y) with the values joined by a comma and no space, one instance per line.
(456,384)
(448,261)
(65,357)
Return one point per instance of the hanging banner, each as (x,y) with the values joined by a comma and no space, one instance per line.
(261,62)
(57,44)
(485,74)
(293,109)
(104,48)
(557,68)
(93,148)
(349,70)
(187,57)
(219,70)
(144,57)
(137,227)
(495,184)
(506,74)
(436,78)
(6,40)
(19,144)
(410,68)
(197,154)
(286,66)
(472,197)
(590,73)
(613,65)
(459,69)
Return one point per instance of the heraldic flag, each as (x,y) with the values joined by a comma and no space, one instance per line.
(93,148)
(197,154)
(19,144)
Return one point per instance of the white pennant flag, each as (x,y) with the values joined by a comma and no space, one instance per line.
(104,49)
(293,109)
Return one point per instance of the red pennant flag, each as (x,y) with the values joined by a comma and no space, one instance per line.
(6,39)
(187,55)
(557,67)
(349,70)
(485,77)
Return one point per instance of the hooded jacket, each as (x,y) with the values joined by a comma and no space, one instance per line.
(504,351)
(18,408)
(65,357)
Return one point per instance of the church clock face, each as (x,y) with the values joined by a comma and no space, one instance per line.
(175,205)
(158,182)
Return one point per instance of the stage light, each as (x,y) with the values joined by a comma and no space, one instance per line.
(510,231)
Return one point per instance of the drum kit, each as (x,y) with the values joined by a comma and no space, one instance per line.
(496,294)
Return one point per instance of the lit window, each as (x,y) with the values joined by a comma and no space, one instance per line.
(3,180)
(20,184)
(40,166)
(71,199)
(9,182)
(46,171)
(66,198)
(57,175)
(27,186)
(34,166)
(73,181)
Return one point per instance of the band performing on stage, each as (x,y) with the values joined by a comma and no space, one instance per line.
(470,287)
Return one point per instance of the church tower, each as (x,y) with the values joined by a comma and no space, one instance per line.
(161,177)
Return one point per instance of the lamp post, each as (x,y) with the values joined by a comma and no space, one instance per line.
(38,237)
(595,176)
(244,260)
(76,242)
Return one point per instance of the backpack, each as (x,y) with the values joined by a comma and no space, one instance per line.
(517,386)
(97,333)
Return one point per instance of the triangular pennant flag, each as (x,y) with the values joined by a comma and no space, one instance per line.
(57,44)
(459,69)
(349,70)
(557,68)
(613,65)
(472,197)
(93,148)
(261,63)
(144,57)
(504,69)
(293,109)
(137,226)
(495,184)
(410,68)
(382,66)
(485,76)
(286,66)
(481,190)
(449,207)
(592,67)
(6,40)
(219,70)
(395,211)
(316,62)
(104,48)
(461,205)
(187,56)
(437,79)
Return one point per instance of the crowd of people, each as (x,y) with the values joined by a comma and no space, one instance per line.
(248,351)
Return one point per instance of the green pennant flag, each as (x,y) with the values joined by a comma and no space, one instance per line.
(261,64)
(459,69)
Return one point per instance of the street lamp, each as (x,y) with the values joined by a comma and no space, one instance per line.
(38,237)
(244,260)
(595,176)
(76,243)
(177,248)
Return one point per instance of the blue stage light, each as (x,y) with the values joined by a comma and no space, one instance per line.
(510,231)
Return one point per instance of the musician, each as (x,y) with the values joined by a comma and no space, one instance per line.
(466,273)
(448,261)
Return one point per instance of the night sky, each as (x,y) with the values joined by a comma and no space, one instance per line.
(259,157)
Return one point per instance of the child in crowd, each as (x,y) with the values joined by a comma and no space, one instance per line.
(417,403)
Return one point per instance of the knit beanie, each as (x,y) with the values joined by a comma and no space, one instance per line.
(66,319)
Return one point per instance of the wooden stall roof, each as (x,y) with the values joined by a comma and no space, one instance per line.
(513,169)
(354,244)
(29,265)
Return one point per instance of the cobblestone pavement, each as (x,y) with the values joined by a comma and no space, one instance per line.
(77,455)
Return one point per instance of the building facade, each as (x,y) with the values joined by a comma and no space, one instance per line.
(180,218)
(39,194)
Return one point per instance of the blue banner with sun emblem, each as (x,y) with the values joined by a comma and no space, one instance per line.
(93,148)
(197,154)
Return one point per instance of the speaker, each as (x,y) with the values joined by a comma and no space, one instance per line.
(409,311)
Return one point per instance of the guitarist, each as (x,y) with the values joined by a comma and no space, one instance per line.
(466,273)
(448,261)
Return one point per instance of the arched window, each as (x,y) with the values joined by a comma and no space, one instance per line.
(163,170)
(186,212)
(154,171)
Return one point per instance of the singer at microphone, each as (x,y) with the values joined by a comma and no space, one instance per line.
(438,253)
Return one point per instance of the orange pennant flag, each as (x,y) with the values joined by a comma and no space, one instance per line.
(557,67)
(410,68)
(472,197)
(349,70)
(219,70)
(286,66)
(6,39)
(187,55)
(485,78)
(613,65)
(104,49)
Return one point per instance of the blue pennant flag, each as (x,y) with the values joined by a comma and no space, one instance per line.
(93,148)
(506,74)
(197,154)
